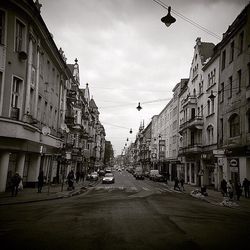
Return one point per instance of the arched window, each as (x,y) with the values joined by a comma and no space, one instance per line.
(210,134)
(234,125)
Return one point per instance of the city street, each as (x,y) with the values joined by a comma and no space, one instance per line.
(130,214)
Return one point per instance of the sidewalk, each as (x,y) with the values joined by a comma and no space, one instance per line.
(29,195)
(214,197)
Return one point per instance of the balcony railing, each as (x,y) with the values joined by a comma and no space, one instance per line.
(191,149)
(196,122)
(189,100)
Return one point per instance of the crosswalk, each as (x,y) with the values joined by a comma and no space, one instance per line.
(111,188)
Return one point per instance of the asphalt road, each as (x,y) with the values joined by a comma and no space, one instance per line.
(130,214)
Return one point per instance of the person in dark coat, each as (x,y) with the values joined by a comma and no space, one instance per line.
(40,181)
(223,187)
(238,190)
(182,183)
(246,184)
(176,184)
(15,180)
(70,179)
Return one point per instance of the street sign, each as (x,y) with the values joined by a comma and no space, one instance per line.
(233,163)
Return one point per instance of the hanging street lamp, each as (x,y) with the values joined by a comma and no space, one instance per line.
(139,107)
(168,19)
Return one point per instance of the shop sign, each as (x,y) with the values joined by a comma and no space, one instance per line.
(233,162)
(234,169)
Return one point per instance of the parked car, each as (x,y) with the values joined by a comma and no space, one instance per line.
(139,176)
(108,178)
(101,173)
(158,177)
(153,173)
(146,174)
(94,176)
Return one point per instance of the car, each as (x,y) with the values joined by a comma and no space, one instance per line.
(108,178)
(139,176)
(146,174)
(152,173)
(158,177)
(101,173)
(94,176)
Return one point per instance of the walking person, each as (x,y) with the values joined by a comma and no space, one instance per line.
(230,190)
(70,179)
(182,183)
(246,184)
(15,181)
(40,181)
(238,189)
(223,187)
(176,184)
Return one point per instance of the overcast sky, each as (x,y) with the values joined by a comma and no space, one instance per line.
(127,55)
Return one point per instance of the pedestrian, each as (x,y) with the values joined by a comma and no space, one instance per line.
(223,187)
(70,179)
(204,190)
(77,176)
(230,189)
(82,176)
(15,181)
(176,184)
(182,183)
(238,189)
(246,184)
(40,181)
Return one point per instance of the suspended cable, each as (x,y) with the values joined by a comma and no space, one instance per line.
(197,25)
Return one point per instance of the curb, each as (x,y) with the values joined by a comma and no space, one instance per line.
(61,196)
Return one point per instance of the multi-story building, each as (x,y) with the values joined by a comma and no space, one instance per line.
(234,100)
(192,114)
(46,121)
(32,82)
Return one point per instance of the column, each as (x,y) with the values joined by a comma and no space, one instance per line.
(33,172)
(4,163)
(186,173)
(20,163)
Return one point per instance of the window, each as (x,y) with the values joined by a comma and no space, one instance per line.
(234,125)
(221,130)
(239,80)
(201,87)
(32,101)
(2,27)
(222,92)
(248,69)
(241,39)
(39,107)
(212,106)
(211,78)
(231,51)
(210,134)
(201,110)
(15,95)
(230,86)
(208,107)
(20,36)
(223,62)
(198,111)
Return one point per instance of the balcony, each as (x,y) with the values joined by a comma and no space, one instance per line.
(194,123)
(191,149)
(189,100)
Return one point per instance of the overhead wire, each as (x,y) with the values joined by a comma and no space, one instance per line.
(197,25)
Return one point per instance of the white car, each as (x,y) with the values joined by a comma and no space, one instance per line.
(108,178)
